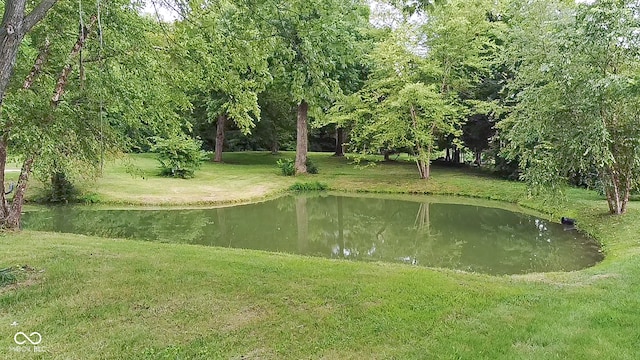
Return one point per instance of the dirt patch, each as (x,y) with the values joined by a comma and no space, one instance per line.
(242,318)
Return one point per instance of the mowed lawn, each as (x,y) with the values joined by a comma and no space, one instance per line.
(247,176)
(94,298)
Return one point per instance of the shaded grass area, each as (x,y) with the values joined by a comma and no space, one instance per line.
(95,298)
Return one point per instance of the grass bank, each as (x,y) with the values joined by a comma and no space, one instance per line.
(249,176)
(95,298)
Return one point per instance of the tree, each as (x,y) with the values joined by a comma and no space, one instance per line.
(463,40)
(577,94)
(222,45)
(316,39)
(401,105)
(82,96)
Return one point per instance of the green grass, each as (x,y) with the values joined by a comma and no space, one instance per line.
(95,298)
(249,176)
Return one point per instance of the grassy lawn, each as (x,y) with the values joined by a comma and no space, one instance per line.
(250,176)
(94,298)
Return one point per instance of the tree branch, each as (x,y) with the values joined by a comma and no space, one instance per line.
(37,66)
(64,76)
(37,14)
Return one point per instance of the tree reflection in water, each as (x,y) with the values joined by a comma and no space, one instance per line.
(428,233)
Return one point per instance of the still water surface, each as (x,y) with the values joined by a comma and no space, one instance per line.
(465,237)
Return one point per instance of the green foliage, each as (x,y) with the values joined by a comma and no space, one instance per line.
(127,92)
(576,95)
(179,156)
(60,178)
(401,105)
(61,189)
(309,186)
(226,56)
(311,167)
(7,277)
(90,198)
(318,45)
(286,166)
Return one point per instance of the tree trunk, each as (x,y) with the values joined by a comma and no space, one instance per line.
(8,217)
(479,158)
(339,141)
(4,206)
(12,219)
(423,168)
(220,137)
(13,28)
(11,35)
(275,146)
(447,157)
(15,212)
(302,139)
(36,69)
(617,190)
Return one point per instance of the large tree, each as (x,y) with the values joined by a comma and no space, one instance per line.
(225,49)
(577,94)
(316,39)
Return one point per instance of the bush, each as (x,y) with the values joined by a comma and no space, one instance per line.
(179,156)
(287,167)
(311,167)
(309,186)
(90,198)
(7,277)
(62,190)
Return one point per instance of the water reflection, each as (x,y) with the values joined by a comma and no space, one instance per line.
(465,237)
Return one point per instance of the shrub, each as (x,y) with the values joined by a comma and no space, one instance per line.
(287,167)
(179,156)
(90,198)
(309,186)
(62,190)
(7,277)
(311,167)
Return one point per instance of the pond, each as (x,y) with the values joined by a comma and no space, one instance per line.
(428,232)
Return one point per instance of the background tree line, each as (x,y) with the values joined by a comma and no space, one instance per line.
(543,90)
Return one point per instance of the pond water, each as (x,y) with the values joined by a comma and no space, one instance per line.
(465,237)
